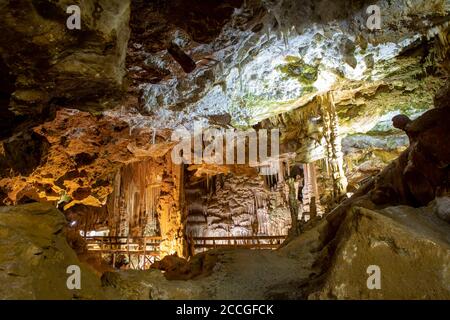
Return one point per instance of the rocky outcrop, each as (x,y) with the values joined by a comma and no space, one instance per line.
(34,256)
(411,248)
(422,171)
(176,268)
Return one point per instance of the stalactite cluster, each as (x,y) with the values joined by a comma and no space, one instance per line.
(238,206)
(132,206)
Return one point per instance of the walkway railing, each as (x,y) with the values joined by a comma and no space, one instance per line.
(250,242)
(143,251)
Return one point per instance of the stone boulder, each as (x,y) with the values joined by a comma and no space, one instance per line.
(34,256)
(176,268)
(410,246)
(442,208)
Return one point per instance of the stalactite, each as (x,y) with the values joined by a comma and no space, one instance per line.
(268,33)
(154,136)
(314,192)
(281,171)
(311,196)
(263,222)
(286,35)
(132,205)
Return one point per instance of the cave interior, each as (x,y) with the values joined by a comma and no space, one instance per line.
(171,132)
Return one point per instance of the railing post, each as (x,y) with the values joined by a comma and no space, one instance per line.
(145,252)
(128,251)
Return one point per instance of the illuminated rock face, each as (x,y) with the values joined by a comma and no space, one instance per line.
(83,155)
(171,211)
(132,207)
(238,206)
(253,73)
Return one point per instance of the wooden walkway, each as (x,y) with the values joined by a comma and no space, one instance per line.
(249,242)
(143,251)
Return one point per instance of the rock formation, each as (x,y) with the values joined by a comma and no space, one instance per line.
(91,116)
(35,256)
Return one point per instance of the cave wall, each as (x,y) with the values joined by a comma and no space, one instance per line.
(52,64)
(238,205)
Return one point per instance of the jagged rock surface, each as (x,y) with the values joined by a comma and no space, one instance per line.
(49,62)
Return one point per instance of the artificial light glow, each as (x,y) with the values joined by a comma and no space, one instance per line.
(325,81)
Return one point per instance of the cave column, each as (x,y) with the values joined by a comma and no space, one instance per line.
(171,211)
(333,150)
(314,191)
(118,219)
(311,197)
(293,206)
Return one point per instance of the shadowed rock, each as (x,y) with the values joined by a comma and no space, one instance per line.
(182,58)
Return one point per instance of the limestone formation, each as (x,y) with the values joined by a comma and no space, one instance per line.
(103,165)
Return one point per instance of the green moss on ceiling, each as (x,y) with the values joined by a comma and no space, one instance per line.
(297,69)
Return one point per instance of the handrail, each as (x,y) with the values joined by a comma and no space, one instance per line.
(146,247)
(280,237)
(157,238)
(140,244)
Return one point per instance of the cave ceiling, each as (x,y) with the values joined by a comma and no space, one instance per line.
(81,104)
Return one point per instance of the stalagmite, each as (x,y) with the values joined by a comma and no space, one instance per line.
(293,206)
(171,210)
